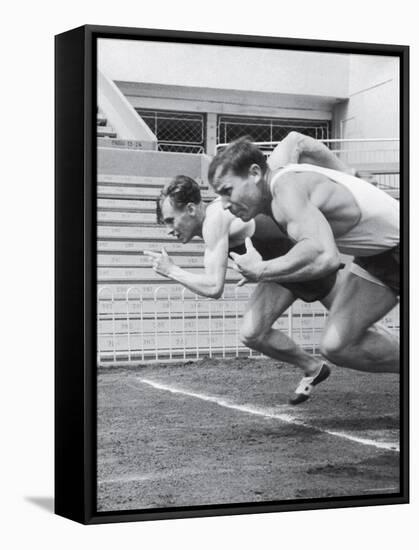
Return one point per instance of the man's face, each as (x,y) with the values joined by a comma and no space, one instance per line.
(239,194)
(181,223)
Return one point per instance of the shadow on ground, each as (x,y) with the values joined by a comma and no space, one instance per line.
(46,503)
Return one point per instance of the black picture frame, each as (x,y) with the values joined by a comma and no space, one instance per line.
(75,273)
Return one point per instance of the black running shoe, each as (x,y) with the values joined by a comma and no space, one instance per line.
(305,387)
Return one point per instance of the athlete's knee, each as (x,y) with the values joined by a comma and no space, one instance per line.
(251,336)
(333,346)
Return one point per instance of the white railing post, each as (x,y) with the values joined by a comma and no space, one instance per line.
(224,325)
(101,316)
(209,327)
(156,343)
(196,326)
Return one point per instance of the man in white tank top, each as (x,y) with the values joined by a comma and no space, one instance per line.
(325,212)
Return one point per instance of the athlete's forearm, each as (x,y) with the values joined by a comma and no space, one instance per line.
(286,152)
(312,151)
(202,284)
(302,263)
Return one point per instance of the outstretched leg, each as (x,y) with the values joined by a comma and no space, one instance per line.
(350,339)
(267,303)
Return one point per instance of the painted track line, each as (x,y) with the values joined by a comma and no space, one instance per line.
(283,417)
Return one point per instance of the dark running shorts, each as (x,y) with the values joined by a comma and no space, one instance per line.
(308,291)
(384,266)
(311,291)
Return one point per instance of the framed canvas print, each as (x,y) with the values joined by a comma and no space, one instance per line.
(231,274)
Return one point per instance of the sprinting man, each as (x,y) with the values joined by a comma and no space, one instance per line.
(324,212)
(186,216)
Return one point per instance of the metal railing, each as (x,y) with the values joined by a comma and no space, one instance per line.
(384,146)
(377,159)
(167,325)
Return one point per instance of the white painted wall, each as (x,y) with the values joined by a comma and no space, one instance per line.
(225,67)
(260,82)
(373,106)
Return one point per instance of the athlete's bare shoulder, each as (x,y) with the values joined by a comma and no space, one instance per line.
(290,193)
(290,181)
(216,213)
(217,222)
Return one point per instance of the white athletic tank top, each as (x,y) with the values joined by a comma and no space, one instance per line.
(378,227)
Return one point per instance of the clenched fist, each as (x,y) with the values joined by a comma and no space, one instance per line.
(249,265)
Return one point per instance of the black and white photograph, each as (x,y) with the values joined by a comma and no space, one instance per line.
(248,275)
(209,269)
(205,211)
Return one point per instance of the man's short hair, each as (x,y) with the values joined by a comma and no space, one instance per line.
(238,157)
(181,191)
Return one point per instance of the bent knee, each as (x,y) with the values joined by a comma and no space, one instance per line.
(333,347)
(251,337)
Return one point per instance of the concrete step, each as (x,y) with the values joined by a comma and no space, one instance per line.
(137,192)
(156,232)
(121,205)
(139,245)
(134,181)
(105,131)
(143,273)
(125,218)
(132,162)
(134,194)
(139,259)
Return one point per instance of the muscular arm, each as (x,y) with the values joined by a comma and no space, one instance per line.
(315,253)
(298,148)
(211,282)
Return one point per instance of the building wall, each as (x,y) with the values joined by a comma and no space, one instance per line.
(225,67)
(217,101)
(358,93)
(372,108)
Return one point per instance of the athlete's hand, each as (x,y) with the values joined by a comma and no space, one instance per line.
(162,263)
(249,265)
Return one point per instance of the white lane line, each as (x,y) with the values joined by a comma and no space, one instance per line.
(287,418)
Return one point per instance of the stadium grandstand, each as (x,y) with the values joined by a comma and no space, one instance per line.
(150,129)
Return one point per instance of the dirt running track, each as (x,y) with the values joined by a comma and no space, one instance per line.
(216,432)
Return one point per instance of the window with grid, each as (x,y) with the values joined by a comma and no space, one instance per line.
(176,131)
(267,129)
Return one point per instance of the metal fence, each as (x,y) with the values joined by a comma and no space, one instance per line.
(184,132)
(176,131)
(267,129)
(168,325)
